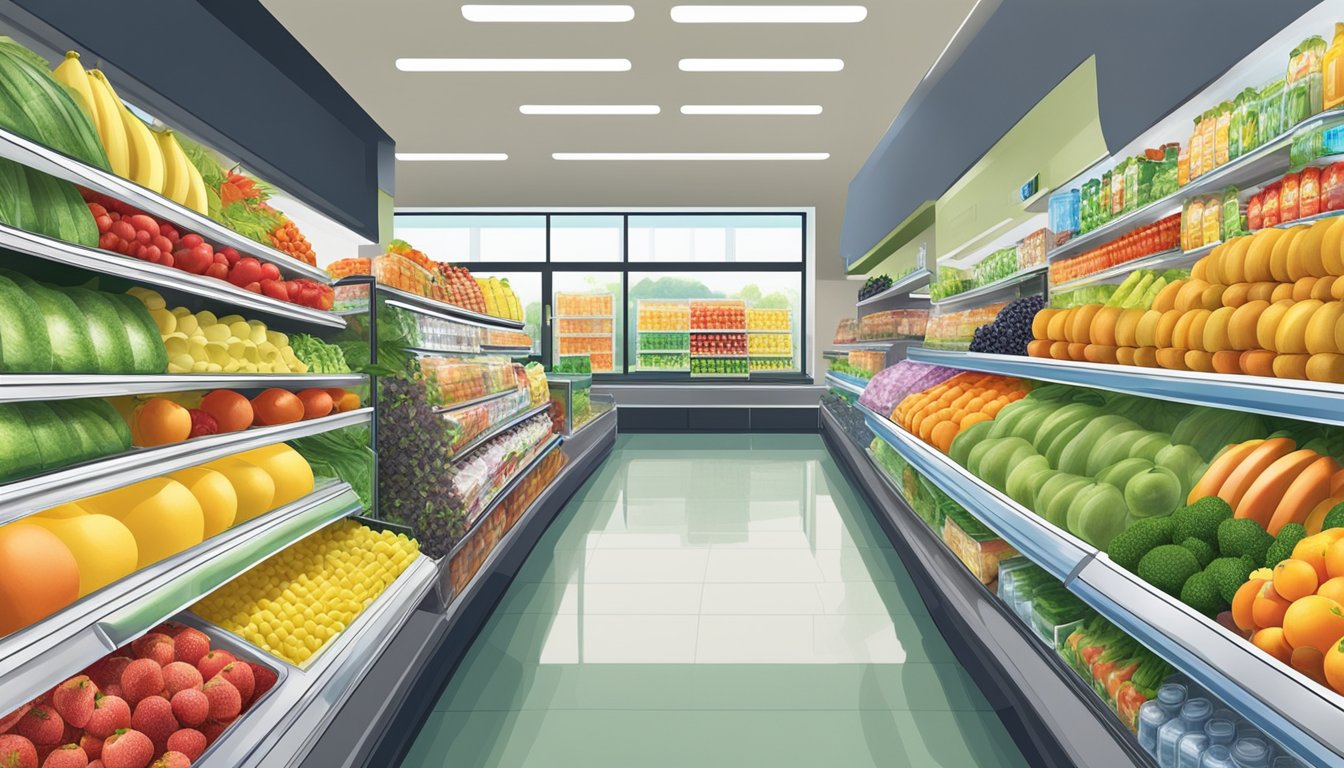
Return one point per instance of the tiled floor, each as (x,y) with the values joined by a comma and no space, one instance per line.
(713,601)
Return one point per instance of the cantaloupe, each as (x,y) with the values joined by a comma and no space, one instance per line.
(1267,326)
(1326,366)
(1145,333)
(1227,361)
(1257,362)
(1125,355)
(1215,331)
(1278,258)
(1261,291)
(103,546)
(1080,324)
(38,575)
(1041,322)
(1126,327)
(1291,366)
(1194,335)
(1057,324)
(1166,328)
(1324,290)
(1166,298)
(1290,336)
(1239,251)
(1199,360)
(1146,357)
(161,513)
(1305,256)
(1170,358)
(1303,288)
(1099,353)
(1283,292)
(1102,329)
(254,486)
(215,494)
(1191,295)
(291,472)
(1180,333)
(1236,294)
(1257,258)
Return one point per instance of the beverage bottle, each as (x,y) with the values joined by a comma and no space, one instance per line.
(1194,713)
(1156,712)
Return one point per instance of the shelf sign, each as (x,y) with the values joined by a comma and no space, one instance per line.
(1029,189)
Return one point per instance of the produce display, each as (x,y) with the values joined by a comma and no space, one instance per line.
(1160,236)
(343,454)
(425,332)
(169,419)
(875,285)
(597,310)
(893,324)
(572,364)
(55,329)
(500,300)
(164,698)
(769,319)
(467,424)
(54,557)
(584,304)
(955,330)
(664,361)
(764,364)
(950,281)
(571,401)
(407,269)
(938,415)
(663,315)
(718,315)
(48,111)
(203,343)
(497,337)
(415,481)
(598,351)
(585,326)
(487,469)
(718,344)
(867,360)
(318,355)
(45,436)
(847,332)
(719,366)
(461,288)
(1010,332)
(45,205)
(850,369)
(892,385)
(537,389)
(664,341)
(767,344)
(463,379)
(296,601)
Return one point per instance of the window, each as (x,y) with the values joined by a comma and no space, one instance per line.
(475,238)
(587,238)
(667,238)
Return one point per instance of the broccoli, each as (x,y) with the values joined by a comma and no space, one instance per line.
(1228,574)
(1200,593)
(1200,520)
(1201,549)
(1130,545)
(1167,567)
(1334,518)
(1243,537)
(1282,548)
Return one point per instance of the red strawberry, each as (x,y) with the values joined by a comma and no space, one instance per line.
(8,721)
(92,746)
(127,749)
(153,717)
(212,662)
(191,707)
(172,760)
(141,647)
(239,674)
(191,644)
(202,423)
(180,676)
(211,729)
(188,741)
(143,677)
(67,756)
(225,702)
(107,671)
(264,678)
(109,714)
(73,700)
(16,751)
(42,726)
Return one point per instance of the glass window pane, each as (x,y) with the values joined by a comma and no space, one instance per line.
(716,238)
(588,314)
(586,238)
(474,238)
(782,240)
(527,286)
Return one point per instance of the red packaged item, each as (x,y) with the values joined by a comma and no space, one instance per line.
(1332,188)
(1253,213)
(1269,206)
(1288,198)
(1309,192)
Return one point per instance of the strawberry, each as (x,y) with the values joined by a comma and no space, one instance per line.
(41,725)
(8,721)
(212,662)
(188,741)
(264,678)
(73,700)
(191,706)
(127,749)
(225,701)
(153,717)
(172,760)
(202,423)
(212,729)
(67,756)
(92,746)
(17,751)
(143,677)
(109,714)
(191,644)
(239,675)
(107,671)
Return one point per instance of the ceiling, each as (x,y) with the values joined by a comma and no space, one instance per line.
(885,57)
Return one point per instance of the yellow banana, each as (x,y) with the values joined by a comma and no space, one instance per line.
(196,198)
(177,181)
(111,129)
(72,74)
(147,164)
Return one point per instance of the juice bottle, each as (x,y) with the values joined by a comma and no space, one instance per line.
(1332,71)
(1197,150)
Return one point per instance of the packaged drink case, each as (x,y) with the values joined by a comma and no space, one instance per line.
(1157,711)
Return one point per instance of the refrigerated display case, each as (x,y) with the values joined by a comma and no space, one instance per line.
(585,323)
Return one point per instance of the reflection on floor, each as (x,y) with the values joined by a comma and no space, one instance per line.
(713,601)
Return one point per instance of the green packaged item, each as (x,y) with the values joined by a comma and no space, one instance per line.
(1231,213)
(1250,120)
(1270,121)
(1132,184)
(1303,94)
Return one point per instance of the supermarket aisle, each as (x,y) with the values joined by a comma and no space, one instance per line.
(713,601)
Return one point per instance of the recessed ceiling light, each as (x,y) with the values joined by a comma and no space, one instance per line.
(690,155)
(548,13)
(513,65)
(751,109)
(761,65)
(450,156)
(768,14)
(589,109)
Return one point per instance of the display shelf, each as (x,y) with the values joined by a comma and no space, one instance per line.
(717,356)
(835,354)
(41,655)
(663,352)
(280,730)
(790,331)
(1292,398)
(1262,164)
(214,289)
(879,345)
(583,317)
(24,497)
(443,310)
(716,330)
(500,350)
(980,292)
(1172,259)
(583,335)
(851,384)
(647,331)
(15,387)
(1276,699)
(495,429)
(531,463)
(474,401)
(50,161)
(899,288)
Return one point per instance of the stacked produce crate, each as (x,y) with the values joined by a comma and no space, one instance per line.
(586,324)
(719,338)
(663,335)
(770,339)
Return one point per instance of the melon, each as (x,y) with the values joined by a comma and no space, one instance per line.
(110,342)
(102,545)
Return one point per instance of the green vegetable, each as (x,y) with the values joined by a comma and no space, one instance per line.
(1154,492)
(319,356)
(1129,547)
(1167,567)
(1200,593)
(1228,574)
(343,454)
(1201,549)
(1200,520)
(1243,538)
(1282,548)
(1334,518)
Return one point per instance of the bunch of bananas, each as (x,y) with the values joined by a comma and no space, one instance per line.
(500,300)
(153,159)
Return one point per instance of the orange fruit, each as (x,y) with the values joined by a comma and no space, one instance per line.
(1334,666)
(1334,559)
(316,403)
(159,422)
(277,406)
(1310,662)
(973,418)
(943,434)
(348,401)
(230,410)
(1333,589)
(1312,549)
(1268,608)
(1314,621)
(1295,579)
(1271,641)
(1241,604)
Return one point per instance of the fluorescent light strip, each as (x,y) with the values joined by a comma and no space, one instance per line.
(548,13)
(513,65)
(761,65)
(451,156)
(751,109)
(589,109)
(768,14)
(690,155)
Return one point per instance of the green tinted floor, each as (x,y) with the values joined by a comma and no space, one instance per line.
(713,601)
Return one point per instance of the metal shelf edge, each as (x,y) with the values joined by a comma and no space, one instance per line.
(17,387)
(1018,277)
(444,311)
(899,288)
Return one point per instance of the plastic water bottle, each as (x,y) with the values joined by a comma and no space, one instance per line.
(1157,711)
(1251,753)
(1217,756)
(1194,714)
(1190,749)
(1286,761)
(1220,731)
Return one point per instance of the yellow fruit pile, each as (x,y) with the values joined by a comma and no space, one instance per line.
(769,344)
(500,300)
(768,319)
(664,316)
(202,343)
(1267,304)
(297,600)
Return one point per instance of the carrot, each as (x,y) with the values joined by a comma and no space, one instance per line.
(1250,468)
(1263,496)
(1220,469)
(1308,490)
